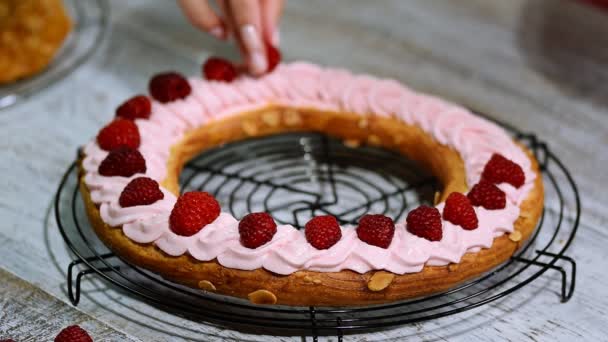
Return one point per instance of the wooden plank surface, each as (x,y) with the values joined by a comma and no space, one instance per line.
(539,65)
(30,314)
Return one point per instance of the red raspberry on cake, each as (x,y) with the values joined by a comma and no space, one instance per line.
(273,56)
(73,333)
(502,170)
(219,69)
(118,133)
(122,161)
(376,230)
(425,222)
(140,191)
(137,107)
(169,87)
(192,212)
(459,210)
(487,195)
(323,232)
(256,229)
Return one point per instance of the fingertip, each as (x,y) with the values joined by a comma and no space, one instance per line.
(202,16)
(218,32)
(258,64)
(254,45)
(271,13)
(275,39)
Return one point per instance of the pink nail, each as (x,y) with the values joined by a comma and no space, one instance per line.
(258,63)
(255,49)
(217,32)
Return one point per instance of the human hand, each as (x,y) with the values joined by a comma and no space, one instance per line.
(253,24)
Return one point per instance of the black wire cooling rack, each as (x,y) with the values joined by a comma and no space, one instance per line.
(296,176)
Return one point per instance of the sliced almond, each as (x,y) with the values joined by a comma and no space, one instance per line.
(317,281)
(363,123)
(206,285)
(452,267)
(292,118)
(249,128)
(373,139)
(262,297)
(515,236)
(308,279)
(436,198)
(271,118)
(398,139)
(352,143)
(525,214)
(380,280)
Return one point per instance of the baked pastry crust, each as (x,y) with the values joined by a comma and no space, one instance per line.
(321,288)
(31,32)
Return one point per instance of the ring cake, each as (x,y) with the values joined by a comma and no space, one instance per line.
(491,198)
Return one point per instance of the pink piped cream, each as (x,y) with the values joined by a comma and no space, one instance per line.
(304,85)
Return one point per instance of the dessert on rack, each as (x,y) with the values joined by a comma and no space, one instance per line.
(490,202)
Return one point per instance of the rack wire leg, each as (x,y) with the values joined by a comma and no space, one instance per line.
(313,320)
(566,291)
(74,284)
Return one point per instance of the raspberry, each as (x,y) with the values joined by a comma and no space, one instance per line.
(137,107)
(219,69)
(73,333)
(118,133)
(458,210)
(487,195)
(274,57)
(140,191)
(376,230)
(425,222)
(502,170)
(169,87)
(256,229)
(123,161)
(323,232)
(192,212)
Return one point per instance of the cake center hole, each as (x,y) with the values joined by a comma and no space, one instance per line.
(296,176)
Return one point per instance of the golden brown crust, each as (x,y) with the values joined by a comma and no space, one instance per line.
(31,32)
(319,288)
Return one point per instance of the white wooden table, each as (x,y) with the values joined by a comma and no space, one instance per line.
(539,65)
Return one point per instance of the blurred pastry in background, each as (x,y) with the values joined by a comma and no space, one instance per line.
(31,33)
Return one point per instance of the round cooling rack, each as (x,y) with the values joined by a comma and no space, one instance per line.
(90,20)
(295,176)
